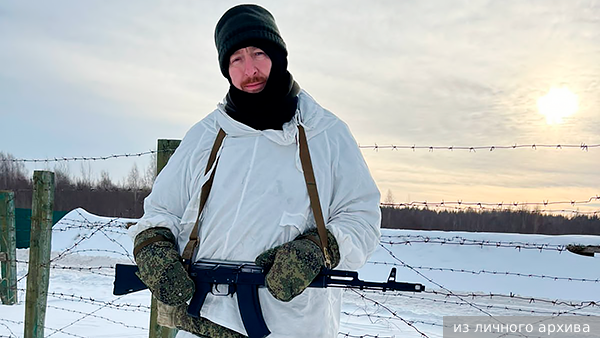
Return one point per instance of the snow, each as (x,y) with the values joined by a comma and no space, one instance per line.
(474,274)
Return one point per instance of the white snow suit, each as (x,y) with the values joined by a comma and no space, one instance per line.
(259,200)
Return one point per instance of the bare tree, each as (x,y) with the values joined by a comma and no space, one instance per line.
(62,175)
(86,180)
(12,172)
(105,182)
(389,198)
(150,173)
(134,181)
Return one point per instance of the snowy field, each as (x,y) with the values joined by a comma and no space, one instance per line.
(479,274)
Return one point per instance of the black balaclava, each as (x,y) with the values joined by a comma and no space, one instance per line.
(252,25)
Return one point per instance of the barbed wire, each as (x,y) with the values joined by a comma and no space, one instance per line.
(443,203)
(502,307)
(570,212)
(376,147)
(500,273)
(85,315)
(441,286)
(114,222)
(96,270)
(555,302)
(534,146)
(463,205)
(344,334)
(103,227)
(481,208)
(463,239)
(91,269)
(553,212)
(58,188)
(64,332)
(22,323)
(97,229)
(462,297)
(83,158)
(12,334)
(124,254)
(393,313)
(511,296)
(117,227)
(89,300)
(371,315)
(99,317)
(69,228)
(472,242)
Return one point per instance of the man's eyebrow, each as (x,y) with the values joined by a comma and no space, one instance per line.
(238,52)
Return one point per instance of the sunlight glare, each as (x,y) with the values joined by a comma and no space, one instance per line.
(557,104)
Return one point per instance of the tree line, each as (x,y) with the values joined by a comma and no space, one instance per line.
(105,198)
(100,196)
(521,221)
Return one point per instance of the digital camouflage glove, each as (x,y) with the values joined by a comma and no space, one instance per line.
(294,265)
(160,266)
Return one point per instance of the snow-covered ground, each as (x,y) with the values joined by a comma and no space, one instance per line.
(474,274)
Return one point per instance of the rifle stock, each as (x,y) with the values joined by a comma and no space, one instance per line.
(245,279)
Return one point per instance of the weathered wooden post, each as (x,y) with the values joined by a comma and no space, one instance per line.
(166,148)
(8,248)
(39,253)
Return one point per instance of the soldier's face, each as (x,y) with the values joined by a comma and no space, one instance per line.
(249,69)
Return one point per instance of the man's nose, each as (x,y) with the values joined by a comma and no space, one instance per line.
(249,67)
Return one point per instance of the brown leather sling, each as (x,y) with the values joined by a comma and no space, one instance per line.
(309,176)
(190,249)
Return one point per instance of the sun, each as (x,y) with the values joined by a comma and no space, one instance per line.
(557,104)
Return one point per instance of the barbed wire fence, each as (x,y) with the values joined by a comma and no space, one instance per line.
(377,307)
(376,147)
(533,146)
(458,205)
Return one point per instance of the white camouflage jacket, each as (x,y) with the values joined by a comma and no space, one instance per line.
(259,200)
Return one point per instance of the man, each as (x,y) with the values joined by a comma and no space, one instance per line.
(258,208)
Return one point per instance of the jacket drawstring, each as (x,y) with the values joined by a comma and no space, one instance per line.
(297,138)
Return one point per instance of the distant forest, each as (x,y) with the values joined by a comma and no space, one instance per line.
(101,197)
(106,198)
(505,221)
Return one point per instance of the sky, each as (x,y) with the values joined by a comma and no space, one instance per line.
(459,280)
(98,78)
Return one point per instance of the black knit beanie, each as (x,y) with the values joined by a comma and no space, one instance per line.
(271,108)
(241,24)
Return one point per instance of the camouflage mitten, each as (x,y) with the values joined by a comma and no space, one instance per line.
(160,266)
(201,327)
(294,265)
(165,314)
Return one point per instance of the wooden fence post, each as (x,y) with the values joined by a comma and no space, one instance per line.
(166,148)
(39,253)
(8,248)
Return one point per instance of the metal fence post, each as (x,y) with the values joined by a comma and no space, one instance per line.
(39,254)
(8,248)
(166,148)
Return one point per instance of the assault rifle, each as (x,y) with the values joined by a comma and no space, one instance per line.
(227,278)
